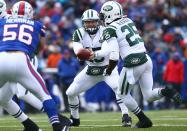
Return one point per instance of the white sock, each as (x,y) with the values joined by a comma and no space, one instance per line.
(74,106)
(13,109)
(33,101)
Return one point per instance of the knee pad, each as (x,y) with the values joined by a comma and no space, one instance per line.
(70,91)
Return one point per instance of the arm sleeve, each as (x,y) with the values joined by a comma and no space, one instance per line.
(77,46)
(110,48)
(42,29)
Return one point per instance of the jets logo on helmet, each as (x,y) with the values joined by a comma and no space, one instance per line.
(108,8)
(22,9)
(90,20)
(111,11)
(2,9)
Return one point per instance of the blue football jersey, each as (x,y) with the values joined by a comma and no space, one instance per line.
(20,35)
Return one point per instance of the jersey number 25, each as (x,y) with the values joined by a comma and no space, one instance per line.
(22,35)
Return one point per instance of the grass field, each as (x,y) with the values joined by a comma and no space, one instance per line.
(175,120)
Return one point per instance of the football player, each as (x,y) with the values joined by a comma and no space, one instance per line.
(11,107)
(19,37)
(21,92)
(88,37)
(122,37)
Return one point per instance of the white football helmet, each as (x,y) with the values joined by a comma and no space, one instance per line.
(2,9)
(90,15)
(111,11)
(22,9)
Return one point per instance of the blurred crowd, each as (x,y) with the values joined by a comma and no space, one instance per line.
(161,23)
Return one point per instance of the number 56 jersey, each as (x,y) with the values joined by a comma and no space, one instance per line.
(20,35)
(127,36)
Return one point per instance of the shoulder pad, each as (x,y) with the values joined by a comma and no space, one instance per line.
(78,35)
(109,32)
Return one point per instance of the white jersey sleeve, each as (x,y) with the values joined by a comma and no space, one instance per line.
(110,48)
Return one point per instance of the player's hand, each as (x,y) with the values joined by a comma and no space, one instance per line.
(92,54)
(107,72)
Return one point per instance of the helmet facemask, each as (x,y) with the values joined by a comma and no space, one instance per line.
(91,21)
(91,26)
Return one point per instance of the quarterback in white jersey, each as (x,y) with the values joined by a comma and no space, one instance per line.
(89,37)
(122,37)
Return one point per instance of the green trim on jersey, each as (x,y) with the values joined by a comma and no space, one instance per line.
(113,27)
(79,33)
(109,32)
(77,36)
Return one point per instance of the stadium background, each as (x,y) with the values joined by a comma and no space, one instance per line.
(162,24)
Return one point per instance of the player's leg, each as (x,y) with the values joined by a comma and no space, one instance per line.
(146,84)
(124,91)
(112,81)
(81,83)
(6,94)
(13,109)
(28,97)
(31,80)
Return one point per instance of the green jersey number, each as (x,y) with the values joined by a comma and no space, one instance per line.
(131,32)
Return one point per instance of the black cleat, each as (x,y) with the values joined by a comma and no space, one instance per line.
(64,120)
(144,123)
(126,120)
(172,94)
(29,125)
(60,127)
(64,124)
(74,122)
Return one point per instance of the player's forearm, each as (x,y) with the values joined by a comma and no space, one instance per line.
(111,66)
(77,46)
(109,48)
(101,53)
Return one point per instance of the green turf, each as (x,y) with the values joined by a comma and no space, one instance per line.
(173,120)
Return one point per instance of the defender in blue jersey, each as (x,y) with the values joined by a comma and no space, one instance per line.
(19,37)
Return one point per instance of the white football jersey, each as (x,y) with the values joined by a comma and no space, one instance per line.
(127,36)
(81,37)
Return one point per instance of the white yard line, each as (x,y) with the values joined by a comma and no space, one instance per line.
(100,126)
(84,120)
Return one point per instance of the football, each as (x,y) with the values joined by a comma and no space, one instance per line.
(84,54)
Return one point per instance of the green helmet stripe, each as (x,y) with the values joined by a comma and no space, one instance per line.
(91,13)
(87,14)
(119,7)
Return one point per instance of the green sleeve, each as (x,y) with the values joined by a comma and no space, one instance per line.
(108,33)
(77,36)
